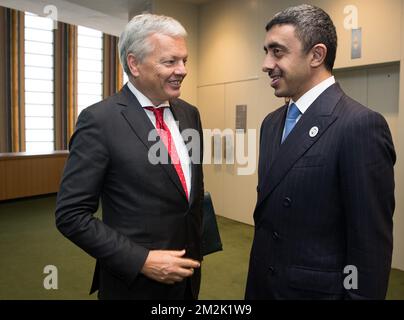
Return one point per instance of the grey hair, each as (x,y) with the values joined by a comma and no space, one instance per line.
(313,26)
(134,39)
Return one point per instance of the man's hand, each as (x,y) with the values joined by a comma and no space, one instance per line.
(168,266)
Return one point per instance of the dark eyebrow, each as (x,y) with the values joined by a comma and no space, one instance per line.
(274,45)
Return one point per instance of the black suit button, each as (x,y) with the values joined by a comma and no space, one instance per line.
(275,235)
(272,270)
(258,189)
(287,202)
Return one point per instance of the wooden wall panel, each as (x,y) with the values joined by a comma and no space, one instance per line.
(2,180)
(18,178)
(24,175)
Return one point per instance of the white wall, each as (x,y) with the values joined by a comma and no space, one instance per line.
(229,42)
(230,55)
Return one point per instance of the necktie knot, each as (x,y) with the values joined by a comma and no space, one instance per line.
(291,117)
(293,112)
(158,113)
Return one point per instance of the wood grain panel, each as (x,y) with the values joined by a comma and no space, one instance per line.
(2,180)
(23,175)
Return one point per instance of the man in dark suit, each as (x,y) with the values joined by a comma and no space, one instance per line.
(148,244)
(323,218)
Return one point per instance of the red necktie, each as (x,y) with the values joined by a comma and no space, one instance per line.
(165,135)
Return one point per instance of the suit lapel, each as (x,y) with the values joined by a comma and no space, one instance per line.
(270,143)
(136,116)
(277,134)
(320,115)
(142,126)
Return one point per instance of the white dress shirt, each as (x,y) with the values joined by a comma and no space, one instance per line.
(306,100)
(174,130)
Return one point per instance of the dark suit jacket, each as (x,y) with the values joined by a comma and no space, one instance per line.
(144,206)
(324,202)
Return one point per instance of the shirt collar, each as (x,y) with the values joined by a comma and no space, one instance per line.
(143,100)
(305,101)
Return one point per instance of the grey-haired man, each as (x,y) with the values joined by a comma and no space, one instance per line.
(148,244)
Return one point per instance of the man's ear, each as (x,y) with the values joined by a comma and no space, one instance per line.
(133,65)
(319,52)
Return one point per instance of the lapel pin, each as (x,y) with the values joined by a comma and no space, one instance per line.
(313,132)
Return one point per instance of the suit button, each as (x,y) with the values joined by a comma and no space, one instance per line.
(258,189)
(272,270)
(287,202)
(275,235)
